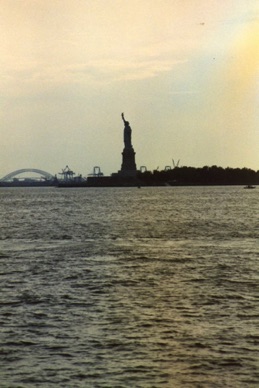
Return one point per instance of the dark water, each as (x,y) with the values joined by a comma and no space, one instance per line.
(156,287)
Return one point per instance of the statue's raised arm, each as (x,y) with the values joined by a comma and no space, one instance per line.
(122,115)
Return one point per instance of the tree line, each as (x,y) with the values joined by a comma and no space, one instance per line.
(214,175)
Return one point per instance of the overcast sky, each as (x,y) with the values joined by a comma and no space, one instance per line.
(184,72)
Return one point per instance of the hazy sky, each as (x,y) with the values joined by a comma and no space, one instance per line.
(184,72)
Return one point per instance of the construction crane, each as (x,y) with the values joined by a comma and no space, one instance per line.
(176,164)
(67,174)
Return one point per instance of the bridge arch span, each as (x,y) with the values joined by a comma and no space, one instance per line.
(8,177)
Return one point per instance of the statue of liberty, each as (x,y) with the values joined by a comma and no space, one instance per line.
(126,133)
(128,167)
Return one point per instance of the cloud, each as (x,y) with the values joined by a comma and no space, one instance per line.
(179,92)
(118,69)
(26,77)
(94,42)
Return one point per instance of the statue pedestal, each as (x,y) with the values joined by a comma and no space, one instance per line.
(128,167)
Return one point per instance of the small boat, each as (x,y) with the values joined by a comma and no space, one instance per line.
(249,187)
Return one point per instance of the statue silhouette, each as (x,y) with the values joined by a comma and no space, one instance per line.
(126,133)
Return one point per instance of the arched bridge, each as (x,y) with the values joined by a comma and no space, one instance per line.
(8,177)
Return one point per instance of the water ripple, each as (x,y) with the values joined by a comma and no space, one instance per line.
(129,288)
